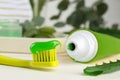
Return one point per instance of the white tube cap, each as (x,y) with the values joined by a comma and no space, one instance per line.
(82,46)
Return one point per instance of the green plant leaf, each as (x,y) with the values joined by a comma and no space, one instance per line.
(40,5)
(115,26)
(46,32)
(89,13)
(59,24)
(63,5)
(56,16)
(30,32)
(95,24)
(101,7)
(32,4)
(80,3)
(37,6)
(47,29)
(44,35)
(27,25)
(76,18)
(38,21)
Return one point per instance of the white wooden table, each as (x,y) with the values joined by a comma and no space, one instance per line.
(67,70)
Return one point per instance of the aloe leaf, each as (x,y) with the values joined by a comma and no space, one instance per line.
(102,69)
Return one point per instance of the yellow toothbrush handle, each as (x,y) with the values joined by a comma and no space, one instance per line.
(14,62)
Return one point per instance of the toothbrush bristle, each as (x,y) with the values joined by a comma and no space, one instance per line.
(45,56)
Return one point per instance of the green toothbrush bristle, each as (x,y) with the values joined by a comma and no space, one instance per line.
(45,56)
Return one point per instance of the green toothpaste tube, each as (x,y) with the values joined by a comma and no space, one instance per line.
(89,46)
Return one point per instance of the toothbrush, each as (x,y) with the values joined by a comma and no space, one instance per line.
(44,55)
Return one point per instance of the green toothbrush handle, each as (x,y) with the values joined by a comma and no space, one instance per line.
(14,62)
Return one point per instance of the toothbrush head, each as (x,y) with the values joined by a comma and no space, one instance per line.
(44,54)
